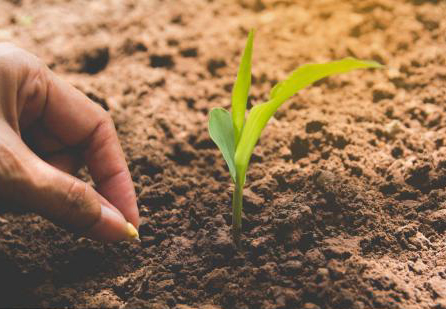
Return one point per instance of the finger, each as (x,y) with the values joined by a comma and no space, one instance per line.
(91,126)
(64,199)
(75,206)
(106,164)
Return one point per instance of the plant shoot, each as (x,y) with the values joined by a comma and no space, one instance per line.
(236,135)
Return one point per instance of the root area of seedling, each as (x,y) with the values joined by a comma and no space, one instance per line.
(344,203)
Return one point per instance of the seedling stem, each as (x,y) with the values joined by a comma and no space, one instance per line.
(237,206)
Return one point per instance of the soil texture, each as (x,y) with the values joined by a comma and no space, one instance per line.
(345,202)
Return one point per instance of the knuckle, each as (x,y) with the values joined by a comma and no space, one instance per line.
(80,210)
(76,195)
(37,84)
(105,119)
(15,60)
(106,127)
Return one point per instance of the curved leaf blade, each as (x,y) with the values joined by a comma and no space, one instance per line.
(222,133)
(297,80)
(309,73)
(240,91)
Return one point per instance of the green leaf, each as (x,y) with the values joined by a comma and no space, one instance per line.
(297,80)
(309,73)
(222,133)
(274,90)
(240,91)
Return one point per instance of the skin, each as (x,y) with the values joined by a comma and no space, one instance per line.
(48,130)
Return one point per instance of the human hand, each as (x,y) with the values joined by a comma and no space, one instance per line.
(48,130)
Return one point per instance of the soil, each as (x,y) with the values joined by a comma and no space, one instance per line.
(345,202)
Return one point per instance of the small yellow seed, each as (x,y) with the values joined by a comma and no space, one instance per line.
(132,232)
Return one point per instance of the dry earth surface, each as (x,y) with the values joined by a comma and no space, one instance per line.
(345,197)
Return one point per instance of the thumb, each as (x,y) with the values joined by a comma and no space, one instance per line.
(28,181)
(75,205)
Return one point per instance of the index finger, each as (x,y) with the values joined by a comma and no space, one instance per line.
(76,120)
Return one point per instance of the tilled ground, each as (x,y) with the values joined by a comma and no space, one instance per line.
(345,204)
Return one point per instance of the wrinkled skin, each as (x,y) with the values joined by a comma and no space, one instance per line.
(48,130)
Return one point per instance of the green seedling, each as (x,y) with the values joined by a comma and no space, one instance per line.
(236,135)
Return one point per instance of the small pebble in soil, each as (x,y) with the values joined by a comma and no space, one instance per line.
(216,279)
(393,128)
(325,180)
(437,286)
(291,267)
(260,244)
(310,306)
(184,307)
(418,267)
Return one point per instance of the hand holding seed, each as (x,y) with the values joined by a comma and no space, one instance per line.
(48,130)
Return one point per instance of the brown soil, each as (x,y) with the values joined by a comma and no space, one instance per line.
(345,204)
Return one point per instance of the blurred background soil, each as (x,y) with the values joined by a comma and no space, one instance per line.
(345,204)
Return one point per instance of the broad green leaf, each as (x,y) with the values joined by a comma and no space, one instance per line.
(297,80)
(309,73)
(241,87)
(222,133)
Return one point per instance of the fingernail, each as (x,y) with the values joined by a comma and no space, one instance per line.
(132,232)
